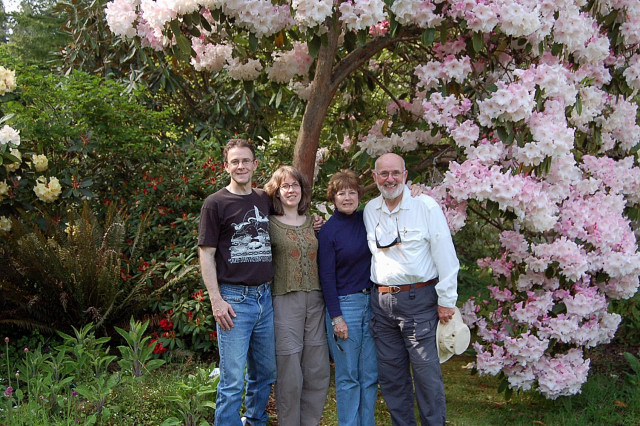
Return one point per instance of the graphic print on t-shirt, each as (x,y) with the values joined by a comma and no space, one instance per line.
(250,241)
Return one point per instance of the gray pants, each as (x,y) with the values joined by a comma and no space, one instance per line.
(302,357)
(404,329)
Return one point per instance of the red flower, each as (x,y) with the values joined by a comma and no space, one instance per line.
(159,349)
(213,335)
(166,324)
(198,295)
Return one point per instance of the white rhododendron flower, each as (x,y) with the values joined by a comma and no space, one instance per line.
(40,162)
(7,80)
(47,191)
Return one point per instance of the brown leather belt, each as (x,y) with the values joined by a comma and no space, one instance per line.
(393,289)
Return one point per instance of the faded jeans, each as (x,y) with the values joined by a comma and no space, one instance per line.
(355,363)
(249,343)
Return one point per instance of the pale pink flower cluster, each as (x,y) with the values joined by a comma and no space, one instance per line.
(375,143)
(482,16)
(417,12)
(211,57)
(552,137)
(450,69)
(361,14)
(486,152)
(286,65)
(249,70)
(415,107)
(620,127)
(563,374)
(322,154)
(311,13)
(526,348)
(511,102)
(632,73)
(579,32)
(120,15)
(443,112)
(519,19)
(302,89)
(381,28)
(261,17)
(571,258)
(523,195)
(533,309)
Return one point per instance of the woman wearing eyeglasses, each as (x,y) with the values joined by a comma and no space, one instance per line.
(344,264)
(302,355)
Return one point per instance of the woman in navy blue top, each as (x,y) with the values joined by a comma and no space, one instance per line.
(344,262)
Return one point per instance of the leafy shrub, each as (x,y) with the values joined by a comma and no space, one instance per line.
(69,274)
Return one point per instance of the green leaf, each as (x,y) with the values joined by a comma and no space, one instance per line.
(184,44)
(428,36)
(253,42)
(362,37)
(503,134)
(478,41)
(314,46)
(579,104)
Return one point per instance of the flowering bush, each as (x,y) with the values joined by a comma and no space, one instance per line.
(531,105)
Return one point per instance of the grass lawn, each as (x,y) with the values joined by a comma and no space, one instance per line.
(474,400)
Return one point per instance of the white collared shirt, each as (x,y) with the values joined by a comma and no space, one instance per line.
(426,250)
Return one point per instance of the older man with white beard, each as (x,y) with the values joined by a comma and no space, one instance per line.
(415,267)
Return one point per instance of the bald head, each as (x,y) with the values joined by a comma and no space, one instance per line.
(390,160)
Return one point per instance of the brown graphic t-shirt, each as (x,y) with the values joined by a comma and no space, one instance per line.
(238,227)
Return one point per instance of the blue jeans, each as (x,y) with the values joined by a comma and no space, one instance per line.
(249,343)
(355,363)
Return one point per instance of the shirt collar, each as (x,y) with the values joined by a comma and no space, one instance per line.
(406,193)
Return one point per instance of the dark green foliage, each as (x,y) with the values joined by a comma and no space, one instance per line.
(67,274)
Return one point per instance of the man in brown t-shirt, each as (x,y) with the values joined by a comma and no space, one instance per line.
(235,259)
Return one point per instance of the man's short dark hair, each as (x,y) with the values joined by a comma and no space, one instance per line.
(238,143)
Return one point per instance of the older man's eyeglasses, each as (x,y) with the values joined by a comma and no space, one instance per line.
(398,240)
(395,174)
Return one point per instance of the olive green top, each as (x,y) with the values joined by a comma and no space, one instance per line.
(294,251)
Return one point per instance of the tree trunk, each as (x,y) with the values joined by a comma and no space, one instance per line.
(322,92)
(326,81)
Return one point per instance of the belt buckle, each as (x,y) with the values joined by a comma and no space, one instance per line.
(394,289)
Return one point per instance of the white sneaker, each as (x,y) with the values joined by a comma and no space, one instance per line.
(244,421)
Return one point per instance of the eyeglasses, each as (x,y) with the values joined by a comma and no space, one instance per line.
(245,162)
(287,186)
(398,240)
(385,174)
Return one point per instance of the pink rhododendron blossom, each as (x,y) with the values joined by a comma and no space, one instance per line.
(120,15)
(286,65)
(361,14)
(310,13)
(490,363)
(563,374)
(526,348)
(243,71)
(417,12)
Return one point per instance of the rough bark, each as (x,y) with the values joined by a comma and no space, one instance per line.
(326,81)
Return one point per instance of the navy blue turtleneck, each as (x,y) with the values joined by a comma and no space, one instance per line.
(344,259)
